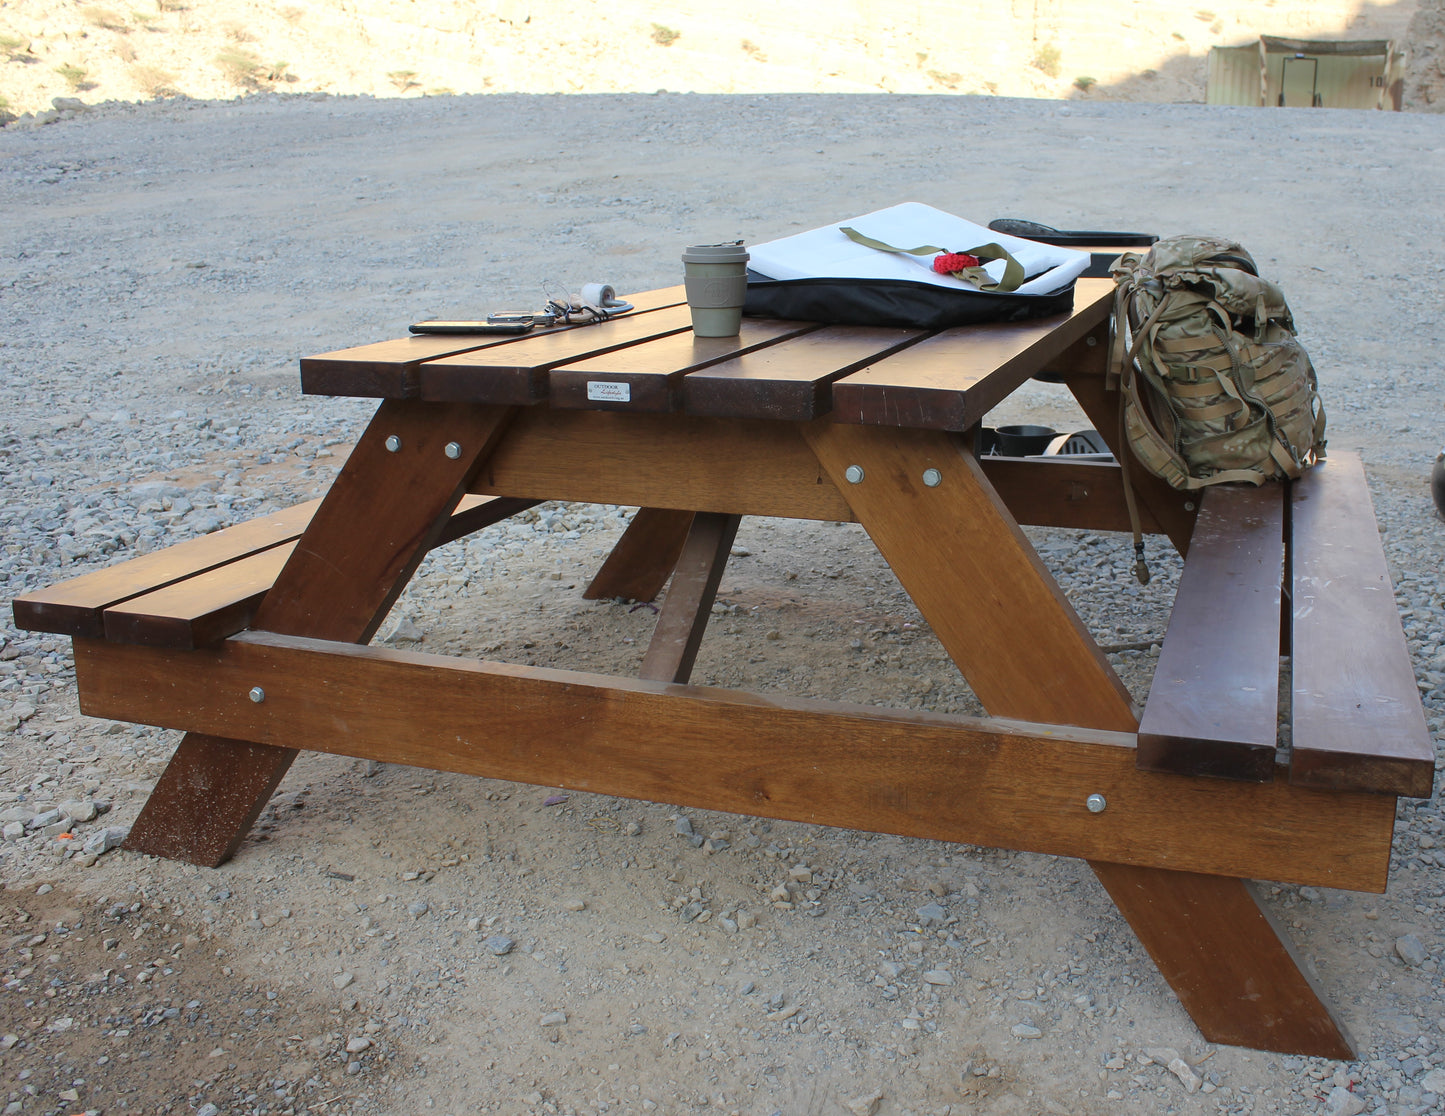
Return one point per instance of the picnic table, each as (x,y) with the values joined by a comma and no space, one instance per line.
(254,639)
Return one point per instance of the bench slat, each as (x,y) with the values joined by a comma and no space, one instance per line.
(1356,714)
(1213,708)
(214,597)
(201,609)
(75,607)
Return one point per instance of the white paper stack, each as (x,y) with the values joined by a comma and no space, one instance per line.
(826,253)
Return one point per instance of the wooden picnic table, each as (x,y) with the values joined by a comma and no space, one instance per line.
(253,640)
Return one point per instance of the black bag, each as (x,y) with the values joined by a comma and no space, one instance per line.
(894,302)
(819,276)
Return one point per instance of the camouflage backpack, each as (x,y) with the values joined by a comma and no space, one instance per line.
(1216,386)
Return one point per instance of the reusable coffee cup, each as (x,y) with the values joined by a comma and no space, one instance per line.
(716,278)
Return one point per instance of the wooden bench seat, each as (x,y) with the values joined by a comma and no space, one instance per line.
(1354,711)
(1356,718)
(1213,708)
(203,589)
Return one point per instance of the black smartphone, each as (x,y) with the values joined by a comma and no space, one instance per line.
(437,326)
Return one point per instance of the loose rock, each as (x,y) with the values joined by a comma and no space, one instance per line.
(1410,950)
(1342,1102)
(865,1105)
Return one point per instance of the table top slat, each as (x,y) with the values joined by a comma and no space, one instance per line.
(516,374)
(389,369)
(790,381)
(951,380)
(649,375)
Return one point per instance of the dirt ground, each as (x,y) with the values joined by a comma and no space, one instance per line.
(394,941)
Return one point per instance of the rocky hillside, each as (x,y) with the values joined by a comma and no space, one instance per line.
(1136,50)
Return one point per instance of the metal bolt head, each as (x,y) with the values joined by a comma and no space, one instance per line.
(1096,803)
(258,695)
(1091,341)
(1188,505)
(932,477)
(393,443)
(854,473)
(453,450)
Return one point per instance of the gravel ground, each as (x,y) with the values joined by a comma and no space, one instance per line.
(393,940)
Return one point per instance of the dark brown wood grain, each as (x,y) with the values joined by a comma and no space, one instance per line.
(651,375)
(951,380)
(383,512)
(987,782)
(389,369)
(1357,722)
(517,374)
(742,466)
(688,604)
(644,556)
(1213,707)
(386,369)
(792,381)
(1088,356)
(77,607)
(1058,492)
(1227,961)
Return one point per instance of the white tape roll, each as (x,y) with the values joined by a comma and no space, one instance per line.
(598,294)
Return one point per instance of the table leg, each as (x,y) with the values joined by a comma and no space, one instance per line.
(973,574)
(680,627)
(1227,961)
(1004,622)
(644,556)
(390,502)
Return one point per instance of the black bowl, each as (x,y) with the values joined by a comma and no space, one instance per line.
(1022,441)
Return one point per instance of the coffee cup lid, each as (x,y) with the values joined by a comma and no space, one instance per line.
(715,253)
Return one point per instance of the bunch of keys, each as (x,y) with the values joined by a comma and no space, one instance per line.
(597,303)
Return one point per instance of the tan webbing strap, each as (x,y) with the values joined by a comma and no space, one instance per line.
(1141,564)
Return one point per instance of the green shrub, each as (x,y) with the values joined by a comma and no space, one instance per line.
(1084,83)
(74,76)
(664,36)
(241,66)
(105,19)
(153,81)
(1046,59)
